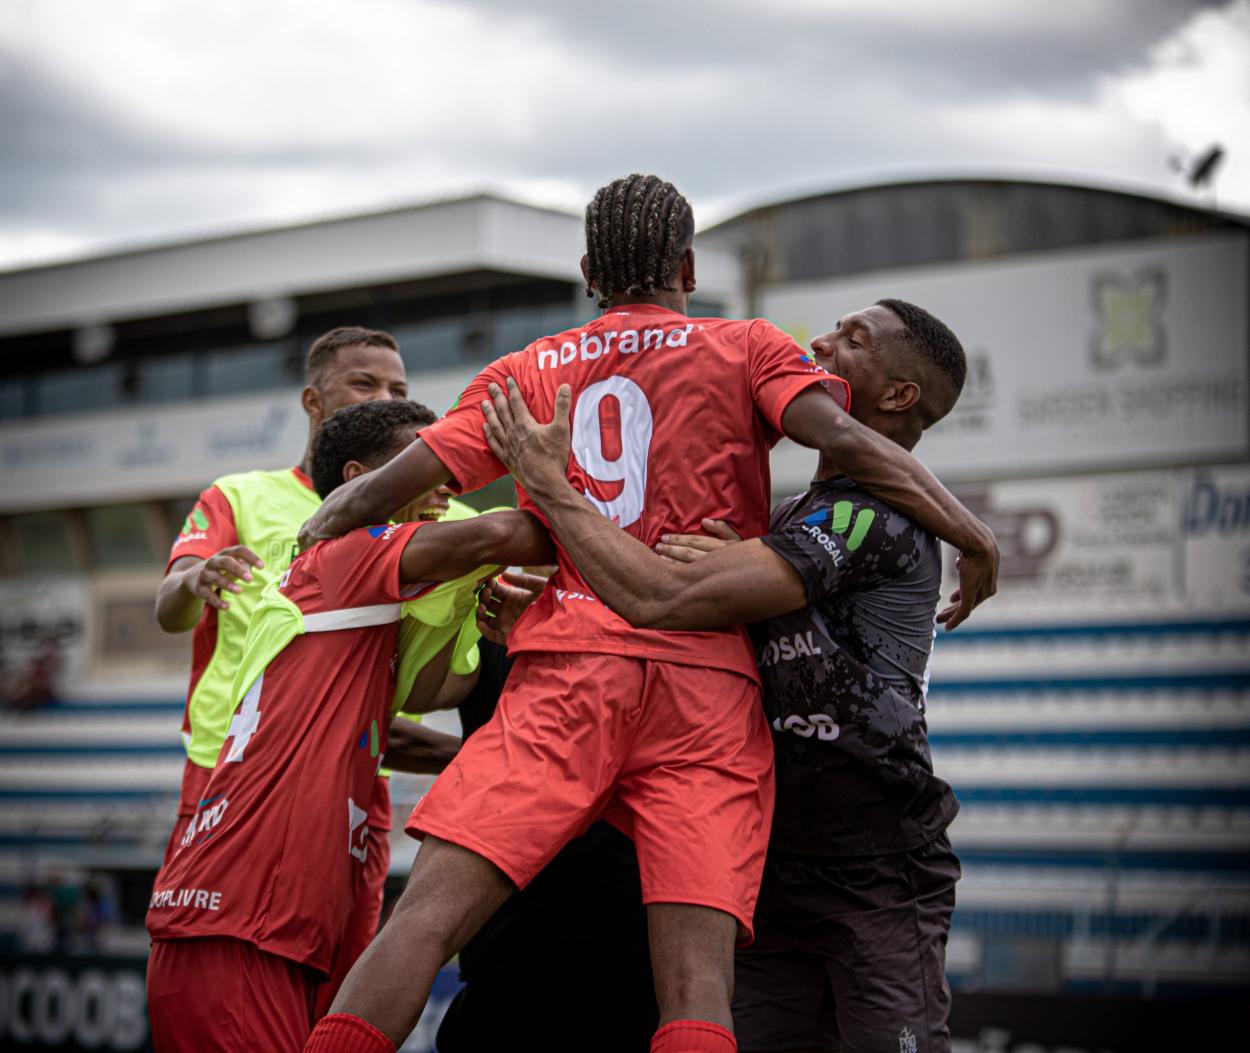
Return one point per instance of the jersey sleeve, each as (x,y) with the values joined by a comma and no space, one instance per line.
(207,530)
(361,568)
(849,545)
(780,370)
(457,438)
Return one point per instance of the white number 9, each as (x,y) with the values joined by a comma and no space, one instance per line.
(630,467)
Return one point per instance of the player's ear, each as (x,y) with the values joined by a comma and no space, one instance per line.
(352,469)
(899,397)
(586,268)
(687,271)
(310,399)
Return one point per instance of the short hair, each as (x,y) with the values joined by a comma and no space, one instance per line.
(939,349)
(327,345)
(368,432)
(637,229)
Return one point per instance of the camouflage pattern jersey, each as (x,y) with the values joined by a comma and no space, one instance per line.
(845,678)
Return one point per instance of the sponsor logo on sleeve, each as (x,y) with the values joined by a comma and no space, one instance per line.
(839,521)
(195,528)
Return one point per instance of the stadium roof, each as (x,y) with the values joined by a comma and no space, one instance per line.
(882,226)
(843,231)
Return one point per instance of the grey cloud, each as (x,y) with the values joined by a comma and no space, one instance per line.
(1019,49)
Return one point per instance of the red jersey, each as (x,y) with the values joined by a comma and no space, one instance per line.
(673,419)
(270,855)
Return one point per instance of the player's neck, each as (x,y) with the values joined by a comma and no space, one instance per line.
(670,299)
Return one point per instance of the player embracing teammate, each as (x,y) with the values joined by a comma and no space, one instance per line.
(662,732)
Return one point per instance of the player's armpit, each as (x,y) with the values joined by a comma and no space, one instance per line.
(446,551)
(377,495)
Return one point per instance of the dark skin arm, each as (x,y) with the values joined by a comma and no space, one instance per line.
(411,747)
(376,496)
(743,582)
(191,583)
(446,551)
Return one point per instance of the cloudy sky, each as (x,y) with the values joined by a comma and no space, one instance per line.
(138,120)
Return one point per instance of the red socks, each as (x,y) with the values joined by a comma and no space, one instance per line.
(693,1036)
(344,1033)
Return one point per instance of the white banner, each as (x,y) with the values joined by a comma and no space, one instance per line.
(1139,545)
(174,450)
(1126,357)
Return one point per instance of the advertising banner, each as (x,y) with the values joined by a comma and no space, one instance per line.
(172,450)
(1104,358)
(1171,545)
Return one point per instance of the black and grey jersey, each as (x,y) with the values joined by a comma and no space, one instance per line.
(845,677)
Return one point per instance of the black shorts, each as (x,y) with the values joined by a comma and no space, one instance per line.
(849,955)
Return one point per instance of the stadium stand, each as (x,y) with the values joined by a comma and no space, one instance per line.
(1105,788)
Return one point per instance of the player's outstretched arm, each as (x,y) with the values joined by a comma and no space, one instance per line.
(740,583)
(192,583)
(446,551)
(896,477)
(377,495)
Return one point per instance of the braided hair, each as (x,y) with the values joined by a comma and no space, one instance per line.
(637,230)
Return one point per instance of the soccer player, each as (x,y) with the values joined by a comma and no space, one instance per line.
(661,731)
(239,537)
(247,914)
(859,886)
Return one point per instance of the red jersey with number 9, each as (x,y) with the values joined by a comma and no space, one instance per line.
(673,420)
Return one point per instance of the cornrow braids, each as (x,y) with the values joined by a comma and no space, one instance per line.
(637,230)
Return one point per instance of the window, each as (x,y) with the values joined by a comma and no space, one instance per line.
(706,309)
(515,327)
(433,344)
(13,397)
(165,378)
(119,536)
(44,543)
(234,370)
(88,388)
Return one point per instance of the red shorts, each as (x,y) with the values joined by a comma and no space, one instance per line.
(223,995)
(362,923)
(679,757)
(194,782)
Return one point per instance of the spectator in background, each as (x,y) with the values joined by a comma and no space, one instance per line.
(37,928)
(97,914)
(35,686)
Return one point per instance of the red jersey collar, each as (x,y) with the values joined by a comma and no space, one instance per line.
(632,308)
(299,474)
